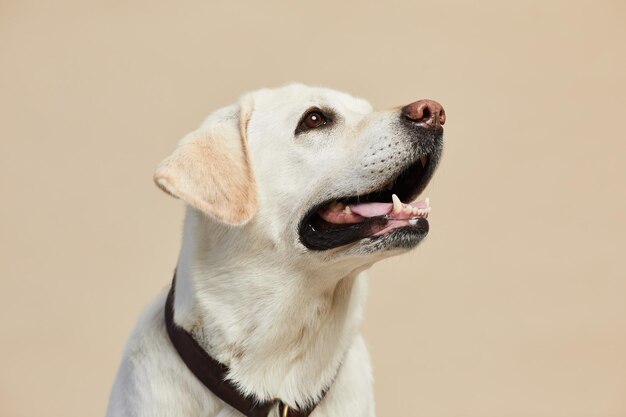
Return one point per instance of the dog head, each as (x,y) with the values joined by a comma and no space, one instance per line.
(315,171)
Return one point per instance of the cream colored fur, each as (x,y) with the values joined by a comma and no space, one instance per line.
(284,319)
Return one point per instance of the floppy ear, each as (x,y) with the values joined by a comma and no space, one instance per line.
(210,169)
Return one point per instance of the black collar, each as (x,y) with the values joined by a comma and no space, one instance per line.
(213,373)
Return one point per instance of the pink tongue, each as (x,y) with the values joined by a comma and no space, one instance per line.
(371,209)
(379,209)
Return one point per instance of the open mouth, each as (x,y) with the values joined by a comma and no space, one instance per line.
(392,208)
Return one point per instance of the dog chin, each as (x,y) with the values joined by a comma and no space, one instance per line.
(395,242)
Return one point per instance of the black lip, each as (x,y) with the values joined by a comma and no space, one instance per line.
(407,185)
(317,234)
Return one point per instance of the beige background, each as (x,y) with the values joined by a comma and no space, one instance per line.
(514,306)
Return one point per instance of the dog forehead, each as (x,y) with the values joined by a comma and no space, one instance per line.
(293,99)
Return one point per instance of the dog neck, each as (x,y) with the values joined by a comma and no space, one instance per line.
(282,329)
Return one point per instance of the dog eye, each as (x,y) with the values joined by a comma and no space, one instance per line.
(312,119)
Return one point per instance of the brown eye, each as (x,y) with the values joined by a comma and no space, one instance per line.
(314,119)
(311,120)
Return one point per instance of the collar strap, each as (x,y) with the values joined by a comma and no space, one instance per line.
(213,373)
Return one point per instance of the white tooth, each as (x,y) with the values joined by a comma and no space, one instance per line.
(424,160)
(347,210)
(412,222)
(415,210)
(397,204)
(427,201)
(426,215)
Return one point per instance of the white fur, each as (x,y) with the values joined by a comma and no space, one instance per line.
(283,318)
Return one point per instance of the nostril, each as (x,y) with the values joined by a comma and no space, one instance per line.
(426,112)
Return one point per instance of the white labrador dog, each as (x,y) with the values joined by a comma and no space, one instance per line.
(292,194)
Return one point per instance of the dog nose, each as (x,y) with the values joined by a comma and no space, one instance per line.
(428,112)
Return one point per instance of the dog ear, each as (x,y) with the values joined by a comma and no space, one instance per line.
(210,169)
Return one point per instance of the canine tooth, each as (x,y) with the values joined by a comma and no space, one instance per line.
(424,160)
(397,204)
(427,201)
(412,222)
(347,210)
